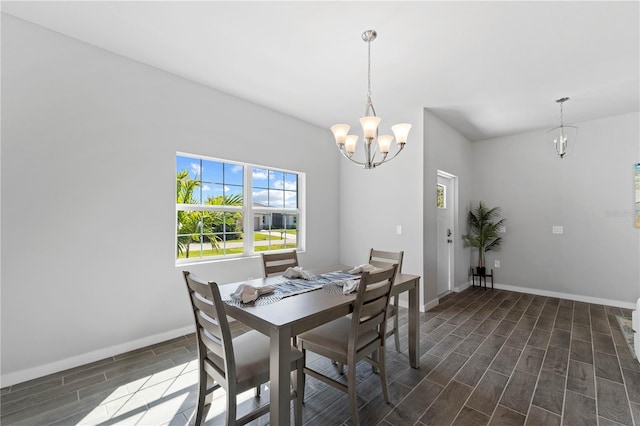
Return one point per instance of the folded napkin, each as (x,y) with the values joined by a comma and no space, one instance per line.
(297,272)
(350,286)
(248,293)
(364,268)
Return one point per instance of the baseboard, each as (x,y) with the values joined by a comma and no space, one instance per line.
(16,377)
(429,305)
(403,303)
(575,297)
(462,287)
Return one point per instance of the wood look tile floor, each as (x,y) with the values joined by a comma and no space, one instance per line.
(488,357)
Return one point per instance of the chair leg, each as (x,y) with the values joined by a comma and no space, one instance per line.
(301,383)
(351,388)
(231,406)
(396,333)
(374,356)
(383,374)
(202,393)
(297,379)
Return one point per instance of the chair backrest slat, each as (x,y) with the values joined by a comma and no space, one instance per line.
(372,321)
(214,346)
(372,308)
(277,263)
(374,292)
(212,326)
(381,259)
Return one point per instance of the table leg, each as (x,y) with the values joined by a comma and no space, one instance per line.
(414,325)
(280,376)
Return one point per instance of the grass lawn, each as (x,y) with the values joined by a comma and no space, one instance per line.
(274,234)
(234,250)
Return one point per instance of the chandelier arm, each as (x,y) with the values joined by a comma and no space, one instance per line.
(369,107)
(386,160)
(372,157)
(346,155)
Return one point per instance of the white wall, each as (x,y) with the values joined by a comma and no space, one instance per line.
(590,193)
(447,150)
(89,141)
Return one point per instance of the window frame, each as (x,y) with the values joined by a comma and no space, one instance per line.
(248,211)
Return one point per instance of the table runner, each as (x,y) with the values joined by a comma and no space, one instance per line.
(291,287)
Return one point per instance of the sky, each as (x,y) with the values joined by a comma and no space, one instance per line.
(270,187)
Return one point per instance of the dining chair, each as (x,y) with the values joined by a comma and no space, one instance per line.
(381,259)
(235,364)
(277,263)
(350,340)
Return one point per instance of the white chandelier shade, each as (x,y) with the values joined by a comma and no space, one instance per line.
(370,122)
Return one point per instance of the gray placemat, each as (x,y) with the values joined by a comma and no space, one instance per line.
(332,288)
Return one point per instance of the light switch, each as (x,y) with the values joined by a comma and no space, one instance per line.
(557,230)
(398,229)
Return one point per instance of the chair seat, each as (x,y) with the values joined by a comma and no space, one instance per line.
(334,336)
(251,351)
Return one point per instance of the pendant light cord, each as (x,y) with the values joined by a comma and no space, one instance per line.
(369,68)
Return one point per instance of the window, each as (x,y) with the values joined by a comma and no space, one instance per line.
(441,197)
(226,209)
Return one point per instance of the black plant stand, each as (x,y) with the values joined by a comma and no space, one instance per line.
(480,278)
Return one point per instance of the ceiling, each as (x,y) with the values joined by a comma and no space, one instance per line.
(486,68)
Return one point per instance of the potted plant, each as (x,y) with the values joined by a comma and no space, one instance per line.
(484,224)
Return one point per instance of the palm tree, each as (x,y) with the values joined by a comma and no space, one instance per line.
(192,224)
(483,231)
(188,222)
(222,222)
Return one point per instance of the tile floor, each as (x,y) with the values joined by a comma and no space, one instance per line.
(488,357)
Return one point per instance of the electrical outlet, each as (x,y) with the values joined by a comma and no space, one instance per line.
(496,264)
(557,230)
(502,229)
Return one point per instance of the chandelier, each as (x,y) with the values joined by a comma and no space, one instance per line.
(564,134)
(347,143)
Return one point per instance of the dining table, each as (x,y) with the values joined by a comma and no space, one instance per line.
(293,315)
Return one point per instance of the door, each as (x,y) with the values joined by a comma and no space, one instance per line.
(446,202)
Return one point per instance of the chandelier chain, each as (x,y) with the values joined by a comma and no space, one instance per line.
(369,67)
